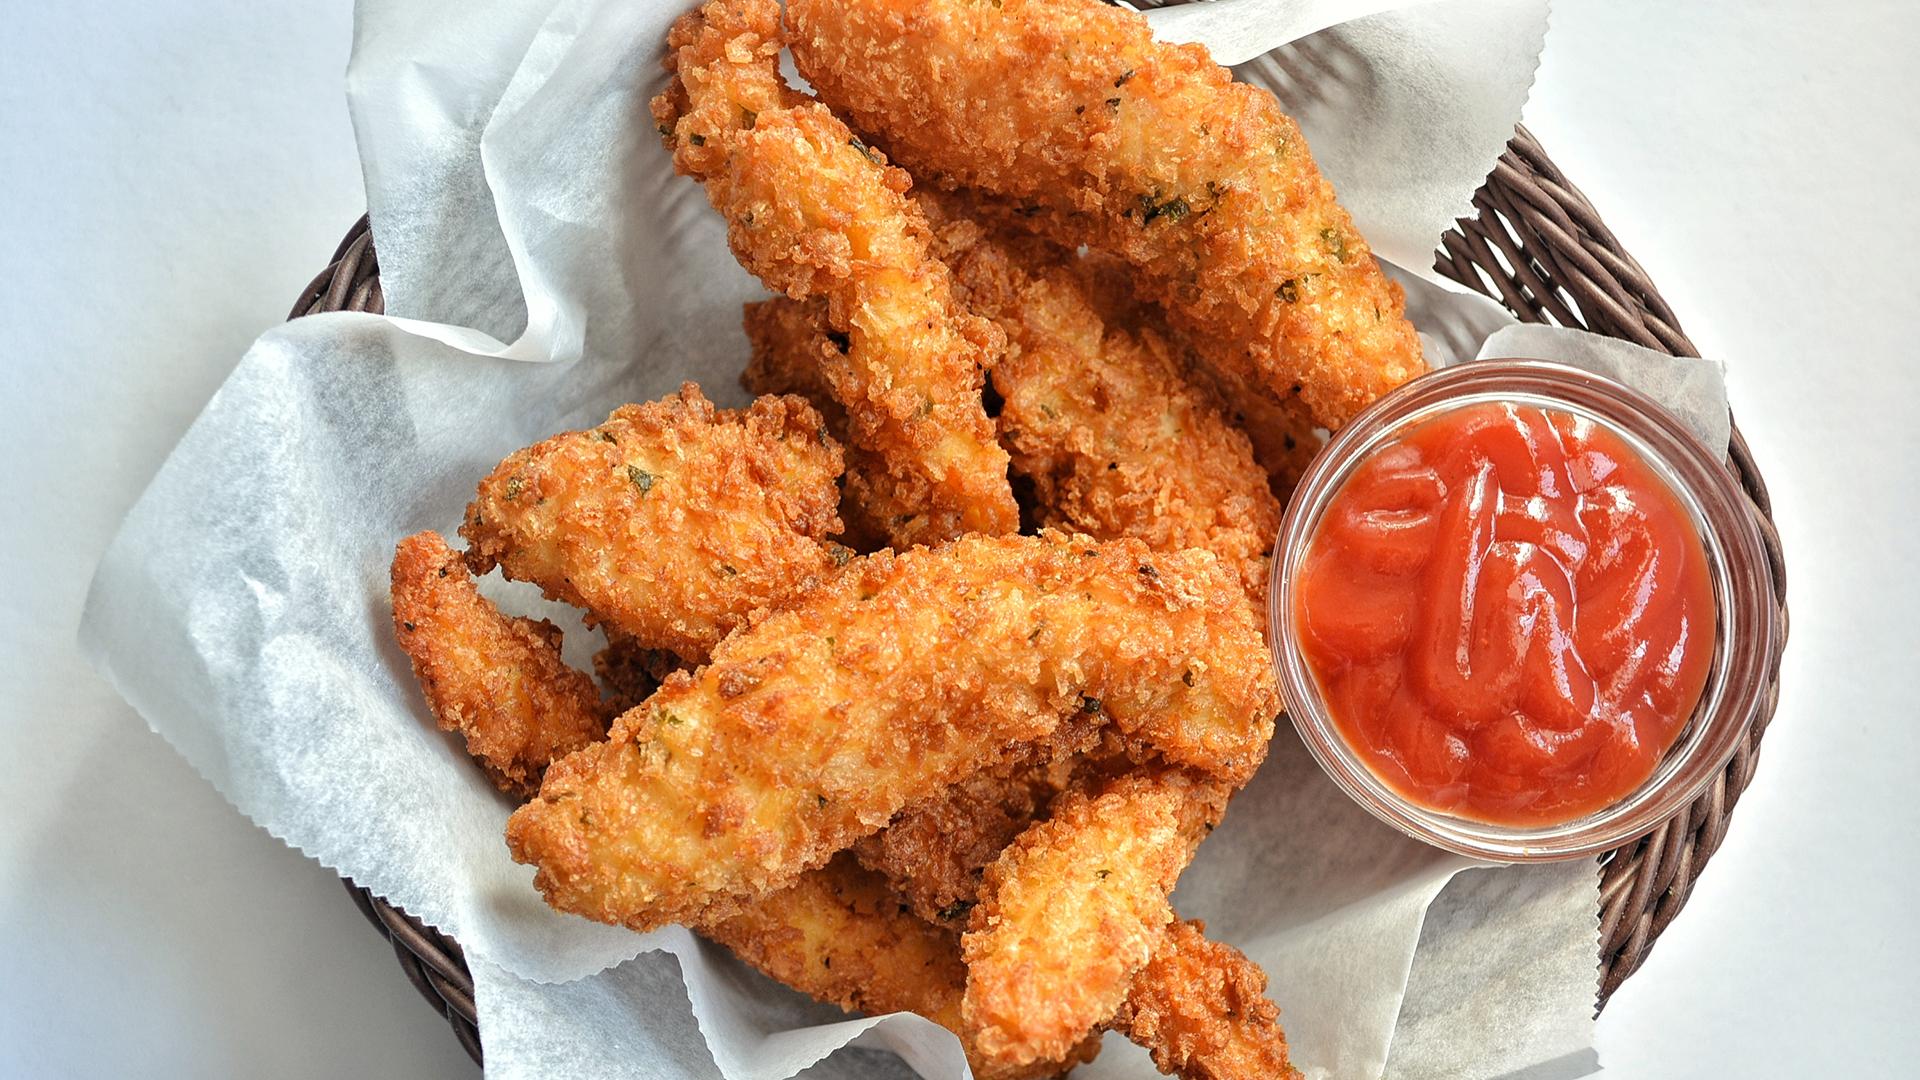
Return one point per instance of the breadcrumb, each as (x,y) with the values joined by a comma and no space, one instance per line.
(1201,1008)
(1074,908)
(842,936)
(901,675)
(1117,439)
(670,523)
(498,681)
(815,212)
(1102,136)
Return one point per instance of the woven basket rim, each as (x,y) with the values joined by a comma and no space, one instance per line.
(1535,244)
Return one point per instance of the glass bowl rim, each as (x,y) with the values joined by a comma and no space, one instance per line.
(1736,556)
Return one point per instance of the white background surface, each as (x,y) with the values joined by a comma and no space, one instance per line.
(169,181)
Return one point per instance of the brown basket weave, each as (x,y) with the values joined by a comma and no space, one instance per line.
(1535,244)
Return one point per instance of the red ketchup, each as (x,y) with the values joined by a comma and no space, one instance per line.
(1509,614)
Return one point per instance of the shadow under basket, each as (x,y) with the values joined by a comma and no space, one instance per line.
(1536,245)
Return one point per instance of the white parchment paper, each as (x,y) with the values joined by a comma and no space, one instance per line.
(543,265)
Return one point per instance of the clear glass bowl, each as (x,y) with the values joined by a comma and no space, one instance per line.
(1743,592)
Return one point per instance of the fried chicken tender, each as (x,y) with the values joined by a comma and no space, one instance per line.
(1070,110)
(1282,430)
(936,850)
(902,675)
(630,672)
(839,934)
(1283,433)
(1093,398)
(672,521)
(1197,1005)
(1200,1007)
(498,681)
(842,936)
(1075,907)
(814,212)
(792,345)
(1116,438)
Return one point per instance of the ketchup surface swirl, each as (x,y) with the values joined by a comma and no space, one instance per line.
(1509,613)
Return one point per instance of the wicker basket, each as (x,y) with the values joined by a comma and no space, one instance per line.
(1535,244)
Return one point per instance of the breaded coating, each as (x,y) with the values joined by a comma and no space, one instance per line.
(815,212)
(630,673)
(1103,420)
(1201,1008)
(901,675)
(1281,428)
(498,681)
(837,933)
(672,521)
(1283,433)
(1101,136)
(1117,440)
(792,344)
(842,936)
(936,850)
(1074,908)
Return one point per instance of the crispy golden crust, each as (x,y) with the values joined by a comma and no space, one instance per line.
(1103,420)
(670,522)
(630,673)
(839,934)
(936,850)
(498,681)
(842,936)
(1150,151)
(1285,438)
(1075,906)
(1117,440)
(903,674)
(1282,430)
(792,343)
(1201,1008)
(814,212)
